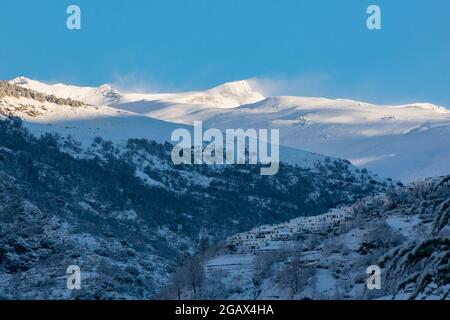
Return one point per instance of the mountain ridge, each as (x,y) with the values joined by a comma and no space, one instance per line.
(238,88)
(406,142)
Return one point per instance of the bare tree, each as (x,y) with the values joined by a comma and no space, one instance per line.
(295,275)
(178,284)
(262,266)
(194,271)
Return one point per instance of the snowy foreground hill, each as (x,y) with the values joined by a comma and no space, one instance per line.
(126,215)
(406,142)
(406,232)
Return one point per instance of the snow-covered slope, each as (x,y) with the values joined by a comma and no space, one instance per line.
(84,123)
(44,113)
(228,95)
(103,95)
(406,142)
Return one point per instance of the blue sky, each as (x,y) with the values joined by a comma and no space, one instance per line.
(301,47)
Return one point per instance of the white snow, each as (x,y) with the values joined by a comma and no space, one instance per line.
(102,95)
(87,122)
(404,225)
(325,282)
(406,142)
(228,95)
(111,123)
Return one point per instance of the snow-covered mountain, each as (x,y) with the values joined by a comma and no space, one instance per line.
(406,142)
(109,198)
(228,95)
(225,96)
(103,95)
(43,112)
(127,214)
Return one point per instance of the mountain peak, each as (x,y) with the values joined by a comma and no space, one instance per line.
(228,95)
(429,106)
(20,81)
(109,92)
(102,95)
(236,87)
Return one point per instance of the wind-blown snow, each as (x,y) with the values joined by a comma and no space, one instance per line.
(228,95)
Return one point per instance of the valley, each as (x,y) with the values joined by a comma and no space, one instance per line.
(87,178)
